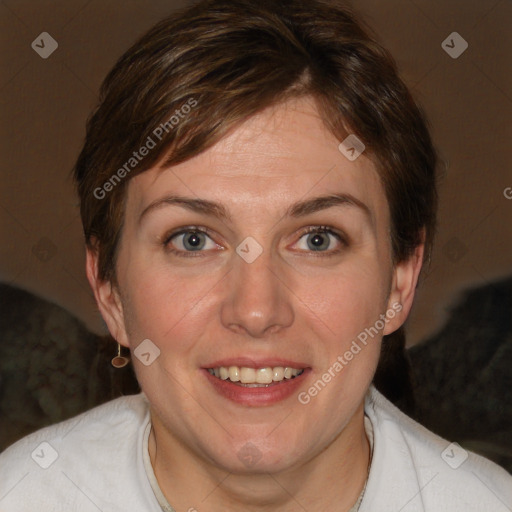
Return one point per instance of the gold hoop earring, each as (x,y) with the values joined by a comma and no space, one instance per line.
(119,361)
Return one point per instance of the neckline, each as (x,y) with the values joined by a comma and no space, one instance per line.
(166,506)
(148,468)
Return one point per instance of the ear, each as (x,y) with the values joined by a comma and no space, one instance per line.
(107,298)
(403,288)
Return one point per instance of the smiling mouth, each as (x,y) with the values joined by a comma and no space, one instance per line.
(255,377)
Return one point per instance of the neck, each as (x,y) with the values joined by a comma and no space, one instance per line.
(333,479)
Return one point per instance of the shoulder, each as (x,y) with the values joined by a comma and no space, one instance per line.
(412,465)
(83,459)
(101,423)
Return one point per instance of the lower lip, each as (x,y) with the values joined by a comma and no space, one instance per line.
(257,396)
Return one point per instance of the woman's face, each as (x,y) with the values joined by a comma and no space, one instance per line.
(258,287)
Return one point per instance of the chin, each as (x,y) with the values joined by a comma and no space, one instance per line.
(258,456)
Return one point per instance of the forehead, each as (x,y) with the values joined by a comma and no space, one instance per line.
(282,155)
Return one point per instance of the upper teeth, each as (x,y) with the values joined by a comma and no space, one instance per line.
(247,375)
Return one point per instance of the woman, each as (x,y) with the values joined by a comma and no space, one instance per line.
(258,196)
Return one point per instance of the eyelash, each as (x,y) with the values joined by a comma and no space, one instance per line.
(199,229)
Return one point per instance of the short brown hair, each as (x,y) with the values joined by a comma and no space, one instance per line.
(234,58)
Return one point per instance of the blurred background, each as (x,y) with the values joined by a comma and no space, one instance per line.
(44,104)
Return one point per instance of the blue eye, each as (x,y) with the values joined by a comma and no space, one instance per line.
(192,241)
(189,240)
(320,239)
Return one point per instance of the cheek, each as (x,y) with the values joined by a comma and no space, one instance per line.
(346,301)
(163,305)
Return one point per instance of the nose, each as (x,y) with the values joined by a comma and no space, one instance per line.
(258,301)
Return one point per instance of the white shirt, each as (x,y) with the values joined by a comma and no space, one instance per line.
(95,461)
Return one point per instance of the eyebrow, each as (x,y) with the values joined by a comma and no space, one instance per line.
(296,210)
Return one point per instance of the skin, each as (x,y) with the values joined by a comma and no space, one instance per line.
(291,302)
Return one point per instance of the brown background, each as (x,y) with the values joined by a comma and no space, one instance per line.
(45,102)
